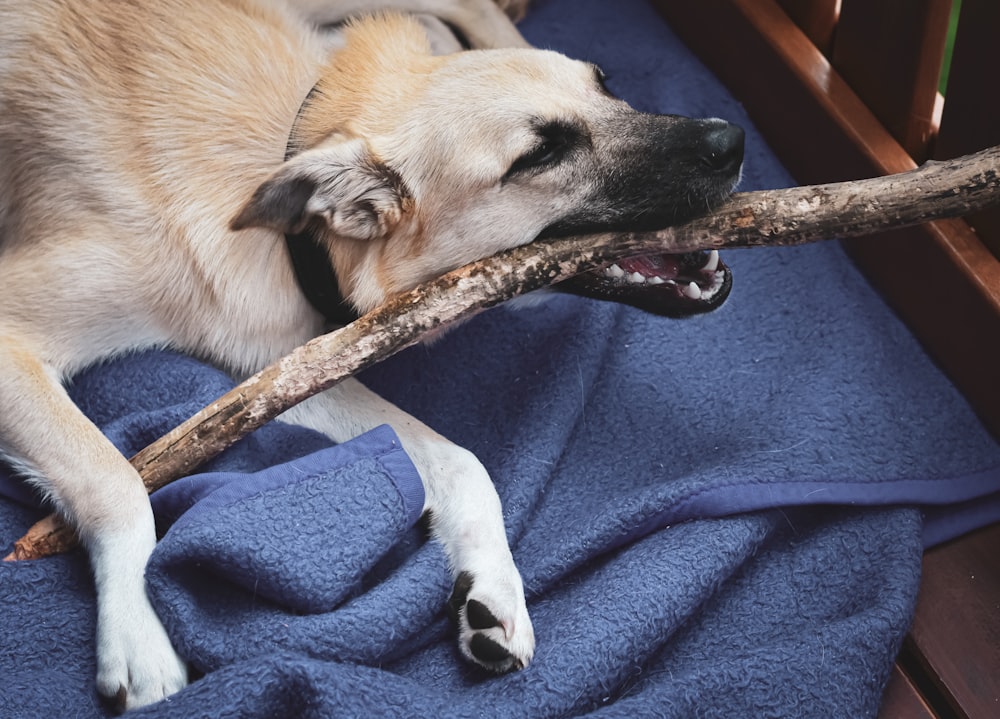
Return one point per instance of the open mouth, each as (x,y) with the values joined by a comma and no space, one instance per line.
(683,169)
(667,285)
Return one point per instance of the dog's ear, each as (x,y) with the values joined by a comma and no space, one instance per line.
(342,183)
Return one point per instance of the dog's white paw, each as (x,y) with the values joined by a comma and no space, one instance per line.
(494,629)
(464,514)
(136,664)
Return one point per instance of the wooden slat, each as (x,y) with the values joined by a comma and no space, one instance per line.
(946,284)
(902,699)
(971,118)
(956,630)
(816,18)
(816,123)
(940,278)
(890,53)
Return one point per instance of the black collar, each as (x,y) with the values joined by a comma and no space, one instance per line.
(311,259)
(317,278)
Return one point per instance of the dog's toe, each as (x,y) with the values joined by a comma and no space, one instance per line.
(494,630)
(136,664)
(141,681)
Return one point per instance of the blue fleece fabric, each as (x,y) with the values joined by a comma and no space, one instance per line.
(720,517)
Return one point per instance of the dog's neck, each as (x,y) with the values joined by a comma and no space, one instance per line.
(311,260)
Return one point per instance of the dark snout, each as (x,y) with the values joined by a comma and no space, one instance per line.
(656,171)
(653,171)
(722,149)
(678,168)
(696,162)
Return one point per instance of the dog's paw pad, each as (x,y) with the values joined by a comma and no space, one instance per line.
(492,655)
(478,616)
(500,645)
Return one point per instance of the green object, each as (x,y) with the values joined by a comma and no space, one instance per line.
(949,46)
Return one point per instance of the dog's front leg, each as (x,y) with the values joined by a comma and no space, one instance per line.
(95,488)
(465,516)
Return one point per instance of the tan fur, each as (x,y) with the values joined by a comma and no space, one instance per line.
(131,135)
(144,195)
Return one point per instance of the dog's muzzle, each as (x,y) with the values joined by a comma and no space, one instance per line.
(686,284)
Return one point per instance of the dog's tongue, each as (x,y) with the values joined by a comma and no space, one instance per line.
(668,285)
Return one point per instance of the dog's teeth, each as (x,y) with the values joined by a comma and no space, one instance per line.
(693,291)
(615,272)
(654,280)
(713,262)
(636,278)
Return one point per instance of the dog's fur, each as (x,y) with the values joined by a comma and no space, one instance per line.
(143,202)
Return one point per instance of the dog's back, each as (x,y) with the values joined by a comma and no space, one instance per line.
(130,133)
(108,137)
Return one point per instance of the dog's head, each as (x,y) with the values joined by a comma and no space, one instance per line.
(415,165)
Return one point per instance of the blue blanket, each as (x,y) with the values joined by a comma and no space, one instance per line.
(722,516)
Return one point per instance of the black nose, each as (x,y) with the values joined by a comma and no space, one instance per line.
(722,148)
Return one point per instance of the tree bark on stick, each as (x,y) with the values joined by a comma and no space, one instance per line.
(793,216)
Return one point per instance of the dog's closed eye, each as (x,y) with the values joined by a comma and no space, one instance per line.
(555,141)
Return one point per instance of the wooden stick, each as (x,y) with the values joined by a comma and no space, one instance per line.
(754,219)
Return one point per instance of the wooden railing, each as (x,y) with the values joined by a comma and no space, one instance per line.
(843,89)
(890,53)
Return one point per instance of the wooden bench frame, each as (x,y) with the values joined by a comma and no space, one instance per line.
(843,89)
